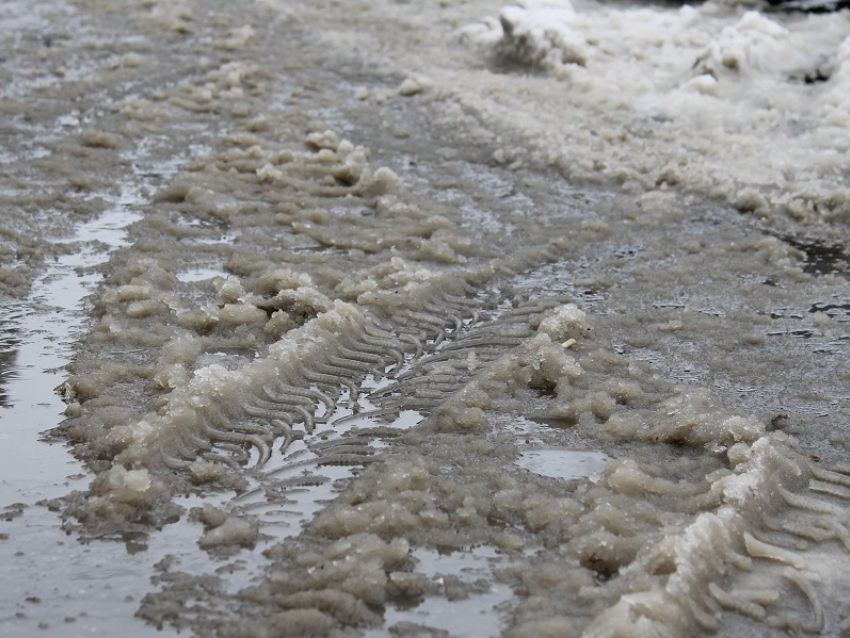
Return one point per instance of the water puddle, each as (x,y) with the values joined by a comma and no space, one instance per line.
(823,258)
(41,329)
(201,273)
(469,606)
(99,584)
(562,464)
(313,468)
(54,583)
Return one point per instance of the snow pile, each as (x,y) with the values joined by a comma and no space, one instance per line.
(719,100)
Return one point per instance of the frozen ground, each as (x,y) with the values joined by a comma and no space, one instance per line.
(423,319)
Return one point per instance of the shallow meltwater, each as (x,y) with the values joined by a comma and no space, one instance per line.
(464,600)
(563,464)
(52,582)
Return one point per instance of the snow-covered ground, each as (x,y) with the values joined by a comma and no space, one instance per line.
(726,101)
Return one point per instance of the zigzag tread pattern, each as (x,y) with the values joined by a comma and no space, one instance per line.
(236,418)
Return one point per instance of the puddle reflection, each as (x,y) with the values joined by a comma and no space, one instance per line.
(563,464)
(8,359)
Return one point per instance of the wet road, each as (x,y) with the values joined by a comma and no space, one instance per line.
(341,352)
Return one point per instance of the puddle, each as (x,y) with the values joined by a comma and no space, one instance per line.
(54,584)
(562,464)
(201,273)
(822,258)
(294,486)
(473,615)
(44,326)
(99,584)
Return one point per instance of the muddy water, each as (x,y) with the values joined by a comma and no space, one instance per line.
(330,365)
